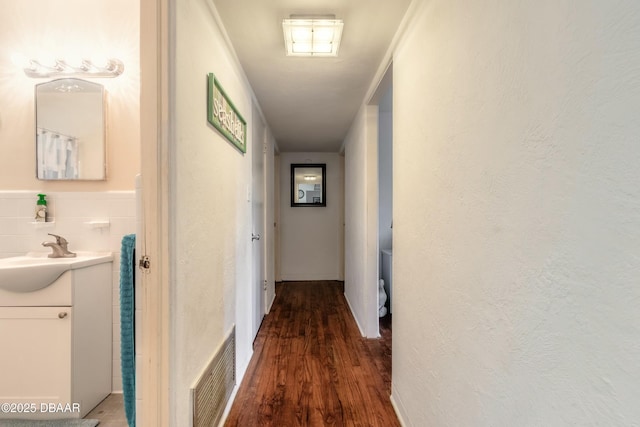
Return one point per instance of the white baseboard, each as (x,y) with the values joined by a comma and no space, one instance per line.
(346,297)
(398,407)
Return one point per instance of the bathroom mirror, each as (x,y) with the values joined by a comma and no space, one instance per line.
(70,130)
(308,184)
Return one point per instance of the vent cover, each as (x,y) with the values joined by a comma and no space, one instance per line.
(211,393)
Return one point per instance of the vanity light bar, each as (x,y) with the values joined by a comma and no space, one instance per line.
(61,68)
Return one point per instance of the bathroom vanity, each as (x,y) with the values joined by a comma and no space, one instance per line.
(55,359)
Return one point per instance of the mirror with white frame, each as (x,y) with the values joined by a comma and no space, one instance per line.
(70,130)
(308,184)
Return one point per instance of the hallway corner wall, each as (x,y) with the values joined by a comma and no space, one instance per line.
(516,226)
(361,220)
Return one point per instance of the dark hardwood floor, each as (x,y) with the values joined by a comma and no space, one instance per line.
(311,366)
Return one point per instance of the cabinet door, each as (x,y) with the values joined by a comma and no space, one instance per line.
(35,356)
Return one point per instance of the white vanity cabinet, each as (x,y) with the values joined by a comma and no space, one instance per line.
(57,345)
(36,354)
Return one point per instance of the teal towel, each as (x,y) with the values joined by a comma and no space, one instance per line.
(127,332)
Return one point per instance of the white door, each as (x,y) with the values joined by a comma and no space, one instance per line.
(258,208)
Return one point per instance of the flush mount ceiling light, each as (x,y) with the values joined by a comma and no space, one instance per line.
(317,36)
(84,68)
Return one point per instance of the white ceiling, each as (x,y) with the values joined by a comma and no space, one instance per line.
(309,103)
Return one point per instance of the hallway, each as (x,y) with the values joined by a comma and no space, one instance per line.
(515,215)
(311,367)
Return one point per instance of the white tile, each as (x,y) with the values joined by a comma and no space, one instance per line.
(115,292)
(26,206)
(10,254)
(121,226)
(113,195)
(116,384)
(122,208)
(15,226)
(116,262)
(116,346)
(82,207)
(116,328)
(15,243)
(9,208)
(116,312)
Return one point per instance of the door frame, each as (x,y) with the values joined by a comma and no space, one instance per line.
(372,257)
(258,254)
(155,60)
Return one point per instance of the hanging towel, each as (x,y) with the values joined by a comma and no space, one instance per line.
(127,333)
(57,155)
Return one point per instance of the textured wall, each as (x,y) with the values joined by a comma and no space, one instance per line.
(211,217)
(516,265)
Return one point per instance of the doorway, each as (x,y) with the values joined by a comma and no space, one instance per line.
(385,192)
(383,99)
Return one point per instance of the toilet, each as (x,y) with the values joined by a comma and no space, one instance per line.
(382,299)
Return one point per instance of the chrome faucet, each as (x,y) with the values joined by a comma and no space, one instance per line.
(59,247)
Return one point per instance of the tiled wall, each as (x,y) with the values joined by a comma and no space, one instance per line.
(71,215)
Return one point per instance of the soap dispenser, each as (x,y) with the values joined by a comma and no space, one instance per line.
(41,209)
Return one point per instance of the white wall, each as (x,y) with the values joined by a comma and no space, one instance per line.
(211,207)
(70,212)
(276,214)
(516,269)
(385,170)
(270,221)
(361,220)
(310,237)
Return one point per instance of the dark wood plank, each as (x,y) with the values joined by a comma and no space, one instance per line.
(311,366)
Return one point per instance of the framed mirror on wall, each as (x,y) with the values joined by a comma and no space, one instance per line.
(308,184)
(70,130)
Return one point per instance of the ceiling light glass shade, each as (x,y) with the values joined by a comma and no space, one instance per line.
(312,37)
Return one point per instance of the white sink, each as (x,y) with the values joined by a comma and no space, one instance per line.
(36,270)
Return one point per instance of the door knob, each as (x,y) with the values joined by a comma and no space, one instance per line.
(255,237)
(62,315)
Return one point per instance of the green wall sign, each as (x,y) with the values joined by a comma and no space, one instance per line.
(224,116)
